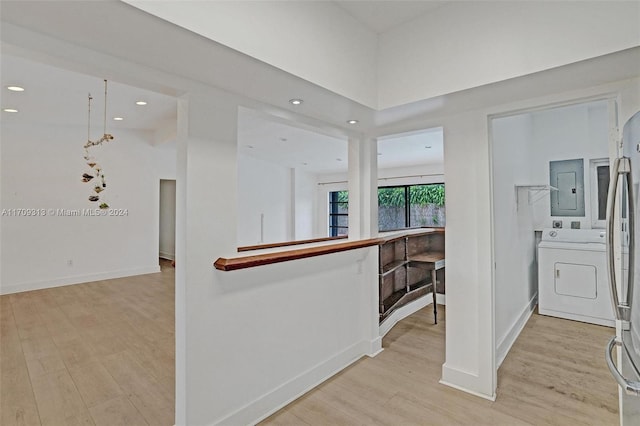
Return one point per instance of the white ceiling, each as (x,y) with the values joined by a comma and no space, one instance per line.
(54,96)
(425,147)
(381,16)
(276,141)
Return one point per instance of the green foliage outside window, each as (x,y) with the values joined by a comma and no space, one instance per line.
(418,194)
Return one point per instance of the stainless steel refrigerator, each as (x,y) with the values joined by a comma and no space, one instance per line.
(623,251)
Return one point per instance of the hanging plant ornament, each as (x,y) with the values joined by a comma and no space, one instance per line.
(96,170)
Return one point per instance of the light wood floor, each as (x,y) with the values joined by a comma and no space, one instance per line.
(98,353)
(555,374)
(103,353)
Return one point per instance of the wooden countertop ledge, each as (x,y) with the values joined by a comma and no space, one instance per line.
(232,264)
(224,264)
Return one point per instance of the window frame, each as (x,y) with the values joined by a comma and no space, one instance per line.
(593,191)
(334,215)
(407,204)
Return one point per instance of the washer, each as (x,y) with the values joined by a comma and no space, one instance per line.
(572,276)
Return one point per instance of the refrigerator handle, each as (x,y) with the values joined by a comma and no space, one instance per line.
(621,170)
(630,387)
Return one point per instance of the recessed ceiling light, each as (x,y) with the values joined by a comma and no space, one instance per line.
(118,118)
(15,88)
(10,110)
(283,139)
(295,101)
(141,103)
(428,146)
(352,121)
(249,146)
(379,153)
(305,164)
(338,159)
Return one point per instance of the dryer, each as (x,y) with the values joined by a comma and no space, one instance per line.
(572,276)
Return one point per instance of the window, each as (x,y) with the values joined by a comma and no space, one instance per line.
(338,213)
(411,206)
(399,207)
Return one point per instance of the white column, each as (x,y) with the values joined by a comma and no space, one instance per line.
(205,229)
(470,346)
(363,188)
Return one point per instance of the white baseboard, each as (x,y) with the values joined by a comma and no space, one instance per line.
(408,309)
(77,279)
(272,401)
(168,256)
(463,381)
(575,317)
(376,347)
(505,343)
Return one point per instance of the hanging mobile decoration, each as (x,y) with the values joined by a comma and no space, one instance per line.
(95,171)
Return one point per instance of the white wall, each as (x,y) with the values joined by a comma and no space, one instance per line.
(468,44)
(264,194)
(413,175)
(42,168)
(165,160)
(250,341)
(305,205)
(514,238)
(292,36)
(167,228)
(571,132)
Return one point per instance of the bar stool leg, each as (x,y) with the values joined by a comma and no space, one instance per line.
(435,306)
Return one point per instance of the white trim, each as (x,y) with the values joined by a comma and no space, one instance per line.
(506,342)
(409,309)
(576,317)
(452,376)
(77,279)
(463,389)
(167,256)
(267,404)
(376,347)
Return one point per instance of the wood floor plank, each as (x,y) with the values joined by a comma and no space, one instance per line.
(18,404)
(143,390)
(75,352)
(41,355)
(117,412)
(11,356)
(58,399)
(94,383)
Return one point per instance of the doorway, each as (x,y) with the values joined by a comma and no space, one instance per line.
(167,222)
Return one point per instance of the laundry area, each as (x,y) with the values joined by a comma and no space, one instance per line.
(550,180)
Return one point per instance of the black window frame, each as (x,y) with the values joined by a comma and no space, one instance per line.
(407,204)
(334,204)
